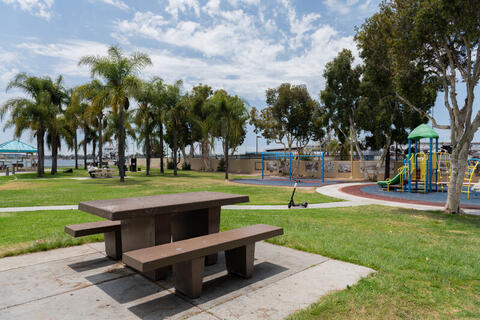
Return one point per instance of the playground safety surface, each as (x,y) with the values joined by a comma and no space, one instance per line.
(373,191)
(285,182)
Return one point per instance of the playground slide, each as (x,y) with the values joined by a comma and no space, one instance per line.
(394,180)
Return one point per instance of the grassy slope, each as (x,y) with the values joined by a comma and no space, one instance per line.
(427,262)
(31,191)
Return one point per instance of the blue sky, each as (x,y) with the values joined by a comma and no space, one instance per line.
(243,46)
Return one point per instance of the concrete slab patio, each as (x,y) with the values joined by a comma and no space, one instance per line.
(82,283)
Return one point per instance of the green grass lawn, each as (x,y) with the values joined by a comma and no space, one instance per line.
(28,190)
(427,262)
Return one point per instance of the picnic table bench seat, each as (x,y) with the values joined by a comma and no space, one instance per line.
(110,229)
(188,256)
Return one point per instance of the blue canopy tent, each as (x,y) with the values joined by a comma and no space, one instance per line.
(18,154)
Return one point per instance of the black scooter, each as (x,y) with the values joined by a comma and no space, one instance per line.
(292,203)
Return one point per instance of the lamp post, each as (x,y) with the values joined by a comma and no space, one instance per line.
(256,150)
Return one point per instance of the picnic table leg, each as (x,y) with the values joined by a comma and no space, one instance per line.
(189,277)
(240,260)
(213,227)
(113,244)
(144,233)
(197,223)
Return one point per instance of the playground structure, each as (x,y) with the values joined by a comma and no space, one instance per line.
(288,162)
(427,171)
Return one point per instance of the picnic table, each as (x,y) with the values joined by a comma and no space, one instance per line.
(160,219)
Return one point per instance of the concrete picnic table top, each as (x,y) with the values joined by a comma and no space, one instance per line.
(136,207)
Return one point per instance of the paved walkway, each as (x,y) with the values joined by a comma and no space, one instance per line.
(336,192)
(82,283)
(333,190)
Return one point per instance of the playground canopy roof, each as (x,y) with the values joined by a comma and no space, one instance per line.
(16,146)
(422,131)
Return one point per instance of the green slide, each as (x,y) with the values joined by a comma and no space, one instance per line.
(395,180)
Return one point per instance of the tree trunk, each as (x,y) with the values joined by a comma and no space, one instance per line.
(121,141)
(94,148)
(100,140)
(54,153)
(184,154)
(162,170)
(458,168)
(175,134)
(147,146)
(205,154)
(191,153)
(383,160)
(359,150)
(225,156)
(387,165)
(75,141)
(41,153)
(85,149)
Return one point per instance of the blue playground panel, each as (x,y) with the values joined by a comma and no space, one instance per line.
(286,182)
(436,197)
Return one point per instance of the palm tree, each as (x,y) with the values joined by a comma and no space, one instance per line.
(76,115)
(159,114)
(112,120)
(145,117)
(73,121)
(118,72)
(97,95)
(230,116)
(58,98)
(32,113)
(173,115)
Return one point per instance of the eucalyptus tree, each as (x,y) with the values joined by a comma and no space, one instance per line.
(30,113)
(145,117)
(97,96)
(231,115)
(287,119)
(442,37)
(340,99)
(119,73)
(391,117)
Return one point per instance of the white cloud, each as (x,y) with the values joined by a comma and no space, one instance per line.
(176,6)
(68,54)
(39,8)
(116,3)
(346,7)
(242,50)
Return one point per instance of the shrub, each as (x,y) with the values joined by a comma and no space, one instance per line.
(186,166)
(170,165)
(221,165)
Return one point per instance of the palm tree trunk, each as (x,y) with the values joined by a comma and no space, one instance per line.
(225,156)
(94,148)
(40,154)
(100,140)
(175,152)
(75,141)
(121,142)
(54,153)
(147,146)
(162,169)
(84,155)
